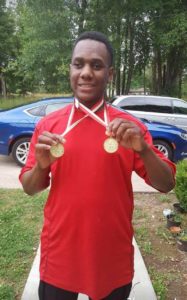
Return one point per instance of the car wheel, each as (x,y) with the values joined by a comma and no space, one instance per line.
(20,150)
(164,147)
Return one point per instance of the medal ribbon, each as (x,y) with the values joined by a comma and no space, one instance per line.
(92,114)
(70,127)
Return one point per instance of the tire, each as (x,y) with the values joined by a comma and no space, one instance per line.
(164,147)
(20,151)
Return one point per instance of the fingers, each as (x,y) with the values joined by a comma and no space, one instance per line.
(122,129)
(49,139)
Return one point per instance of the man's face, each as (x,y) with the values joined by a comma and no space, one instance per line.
(90,71)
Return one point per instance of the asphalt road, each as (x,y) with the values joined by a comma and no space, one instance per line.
(9,173)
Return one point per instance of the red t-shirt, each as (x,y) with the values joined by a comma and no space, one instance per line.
(86,241)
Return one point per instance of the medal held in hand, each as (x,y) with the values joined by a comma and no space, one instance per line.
(57,150)
(110,145)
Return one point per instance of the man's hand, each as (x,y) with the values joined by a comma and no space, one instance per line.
(42,148)
(128,134)
(37,179)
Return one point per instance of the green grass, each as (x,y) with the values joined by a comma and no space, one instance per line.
(161,280)
(16,100)
(20,224)
(159,283)
(165,199)
(139,214)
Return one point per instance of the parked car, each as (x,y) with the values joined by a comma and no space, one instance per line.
(170,140)
(156,108)
(17,126)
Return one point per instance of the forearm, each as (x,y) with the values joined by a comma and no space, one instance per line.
(35,180)
(159,172)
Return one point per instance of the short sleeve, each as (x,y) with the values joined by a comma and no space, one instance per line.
(139,167)
(31,160)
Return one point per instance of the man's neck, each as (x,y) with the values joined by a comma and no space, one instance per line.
(90,104)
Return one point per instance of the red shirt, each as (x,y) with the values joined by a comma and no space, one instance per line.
(86,241)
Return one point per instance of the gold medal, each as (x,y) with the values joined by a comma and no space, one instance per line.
(57,150)
(110,145)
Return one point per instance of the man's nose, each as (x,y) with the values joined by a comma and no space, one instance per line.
(86,71)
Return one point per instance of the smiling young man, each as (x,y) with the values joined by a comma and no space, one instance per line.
(86,241)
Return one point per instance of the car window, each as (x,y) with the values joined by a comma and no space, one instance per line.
(38,111)
(54,106)
(160,105)
(132,103)
(180,107)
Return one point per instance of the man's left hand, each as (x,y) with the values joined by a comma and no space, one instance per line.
(128,134)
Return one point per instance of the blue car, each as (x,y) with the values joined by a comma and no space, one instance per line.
(17,126)
(169,139)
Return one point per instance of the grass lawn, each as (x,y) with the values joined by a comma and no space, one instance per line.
(10,102)
(20,224)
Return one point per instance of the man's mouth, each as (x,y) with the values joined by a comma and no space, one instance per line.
(86,85)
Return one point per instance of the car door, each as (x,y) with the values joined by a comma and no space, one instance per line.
(159,109)
(133,104)
(180,113)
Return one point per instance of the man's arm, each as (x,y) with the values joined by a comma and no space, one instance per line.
(158,171)
(37,179)
(129,135)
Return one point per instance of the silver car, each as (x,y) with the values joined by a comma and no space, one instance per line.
(157,108)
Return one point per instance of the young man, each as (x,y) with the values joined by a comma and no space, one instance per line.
(86,241)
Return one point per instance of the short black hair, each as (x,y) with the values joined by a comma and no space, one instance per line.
(97,36)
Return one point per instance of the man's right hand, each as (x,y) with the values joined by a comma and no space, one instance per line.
(42,148)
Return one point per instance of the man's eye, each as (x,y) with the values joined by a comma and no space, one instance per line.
(97,66)
(77,65)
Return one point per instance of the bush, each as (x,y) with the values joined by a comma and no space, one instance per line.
(181,184)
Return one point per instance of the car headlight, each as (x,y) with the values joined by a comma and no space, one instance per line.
(184,136)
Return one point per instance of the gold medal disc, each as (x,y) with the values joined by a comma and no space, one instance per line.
(57,150)
(110,145)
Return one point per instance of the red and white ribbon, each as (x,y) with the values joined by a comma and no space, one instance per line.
(92,114)
(89,112)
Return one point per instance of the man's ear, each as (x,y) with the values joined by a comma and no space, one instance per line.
(111,74)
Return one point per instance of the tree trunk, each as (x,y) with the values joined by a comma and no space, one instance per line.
(131,58)
(118,59)
(144,84)
(154,76)
(123,84)
(3,86)
(173,70)
(81,11)
(180,84)
(159,72)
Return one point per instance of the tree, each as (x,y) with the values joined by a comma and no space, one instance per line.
(169,46)
(45,36)
(7,43)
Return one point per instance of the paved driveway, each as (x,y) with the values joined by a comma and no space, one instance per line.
(9,172)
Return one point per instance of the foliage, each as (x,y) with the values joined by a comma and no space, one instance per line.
(149,38)
(183,236)
(175,217)
(181,184)
(7,43)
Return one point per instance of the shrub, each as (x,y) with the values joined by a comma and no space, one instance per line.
(183,236)
(181,184)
